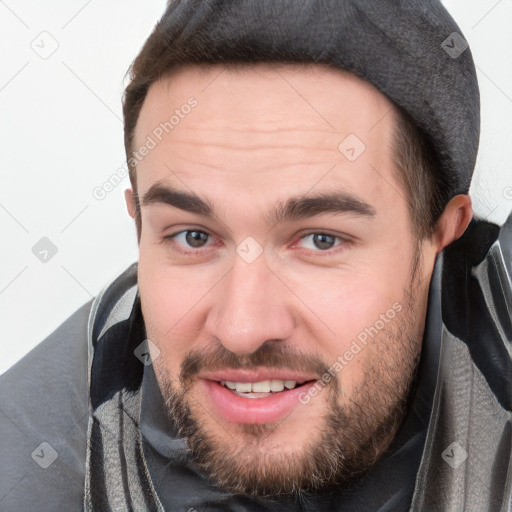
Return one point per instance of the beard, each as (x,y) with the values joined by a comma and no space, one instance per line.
(349,437)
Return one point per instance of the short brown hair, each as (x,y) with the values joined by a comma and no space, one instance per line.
(417,170)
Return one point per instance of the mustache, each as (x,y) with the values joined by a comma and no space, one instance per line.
(272,355)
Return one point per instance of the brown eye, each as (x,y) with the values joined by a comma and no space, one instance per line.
(320,241)
(323,241)
(196,239)
(188,239)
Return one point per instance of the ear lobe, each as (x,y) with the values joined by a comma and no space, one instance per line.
(130,202)
(454,220)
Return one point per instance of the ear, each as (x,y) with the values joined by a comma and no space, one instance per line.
(453,222)
(130,202)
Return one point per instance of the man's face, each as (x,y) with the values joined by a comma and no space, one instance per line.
(307,305)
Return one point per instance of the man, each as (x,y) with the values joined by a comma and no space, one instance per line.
(316,320)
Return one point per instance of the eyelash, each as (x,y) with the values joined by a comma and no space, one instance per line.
(343,242)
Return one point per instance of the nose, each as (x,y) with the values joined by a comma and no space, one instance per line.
(251,306)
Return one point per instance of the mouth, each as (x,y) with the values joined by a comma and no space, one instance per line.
(261,389)
(255,401)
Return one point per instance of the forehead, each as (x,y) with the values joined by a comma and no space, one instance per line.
(269,126)
(276,94)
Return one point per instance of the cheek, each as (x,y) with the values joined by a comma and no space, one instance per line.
(360,307)
(347,303)
(167,300)
(167,292)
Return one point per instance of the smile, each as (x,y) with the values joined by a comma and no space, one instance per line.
(260,402)
(260,389)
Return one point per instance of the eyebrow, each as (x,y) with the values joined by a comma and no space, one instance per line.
(294,208)
(337,202)
(190,202)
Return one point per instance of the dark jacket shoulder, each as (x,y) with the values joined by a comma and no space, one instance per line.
(43,422)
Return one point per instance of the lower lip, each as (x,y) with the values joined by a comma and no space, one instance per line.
(257,411)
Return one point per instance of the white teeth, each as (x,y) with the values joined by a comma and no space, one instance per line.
(264,386)
(261,387)
(277,385)
(243,387)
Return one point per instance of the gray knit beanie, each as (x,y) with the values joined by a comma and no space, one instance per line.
(411,50)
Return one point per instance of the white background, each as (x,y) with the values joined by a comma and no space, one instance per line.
(61,136)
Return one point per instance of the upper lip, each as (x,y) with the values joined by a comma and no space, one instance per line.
(256,375)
